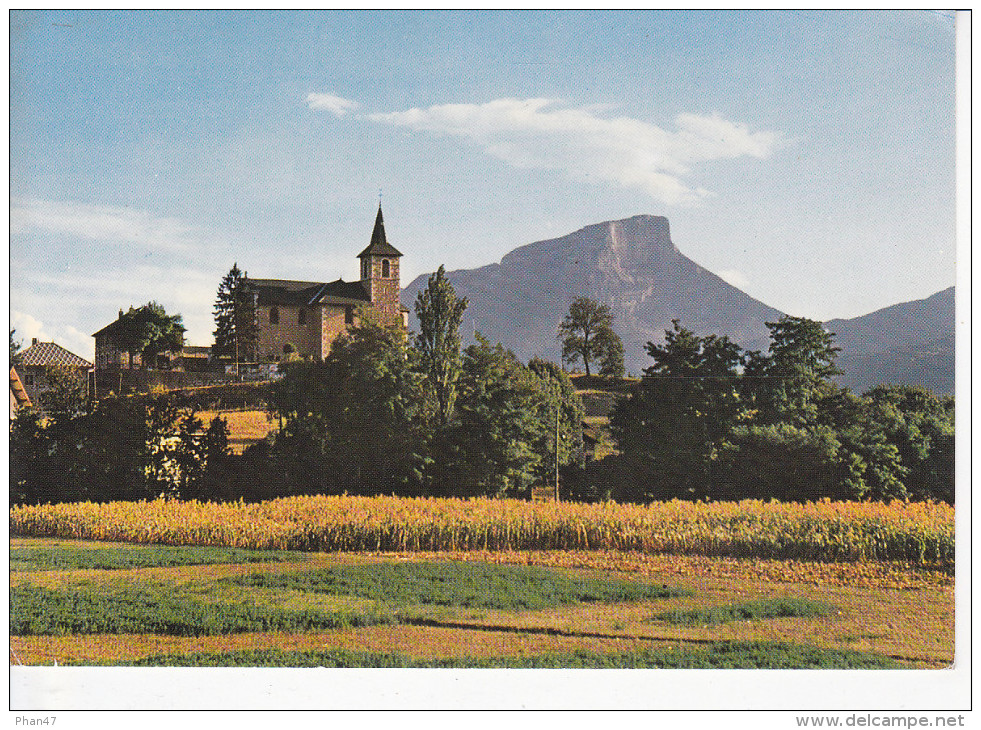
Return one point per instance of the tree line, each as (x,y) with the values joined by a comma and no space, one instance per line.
(383,413)
(711,421)
(391,412)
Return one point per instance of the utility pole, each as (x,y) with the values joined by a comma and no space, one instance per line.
(557,451)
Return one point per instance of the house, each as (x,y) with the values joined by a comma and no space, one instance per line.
(304,317)
(37,358)
(110,355)
(18,396)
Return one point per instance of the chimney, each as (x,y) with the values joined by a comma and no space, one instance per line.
(33,341)
(120,313)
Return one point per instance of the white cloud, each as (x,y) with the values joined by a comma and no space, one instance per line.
(92,301)
(336,105)
(71,338)
(541,134)
(108,224)
(27,327)
(735,277)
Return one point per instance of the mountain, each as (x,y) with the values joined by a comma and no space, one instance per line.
(629,264)
(910,343)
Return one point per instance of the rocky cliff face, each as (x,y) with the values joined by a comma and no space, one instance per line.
(629,264)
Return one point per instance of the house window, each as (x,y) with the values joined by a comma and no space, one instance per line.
(274,315)
(348,315)
(385,268)
(302,317)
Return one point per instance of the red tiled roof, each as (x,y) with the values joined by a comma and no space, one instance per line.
(50,353)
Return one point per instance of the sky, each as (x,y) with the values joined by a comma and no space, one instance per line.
(807,157)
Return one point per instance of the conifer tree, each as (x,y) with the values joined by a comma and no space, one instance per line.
(236,318)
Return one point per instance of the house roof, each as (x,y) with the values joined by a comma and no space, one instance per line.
(44,354)
(287,292)
(379,245)
(108,329)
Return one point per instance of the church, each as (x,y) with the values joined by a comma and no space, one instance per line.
(304,317)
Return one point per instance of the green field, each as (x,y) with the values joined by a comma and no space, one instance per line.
(83,603)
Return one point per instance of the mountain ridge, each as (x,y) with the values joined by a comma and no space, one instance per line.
(633,266)
(630,264)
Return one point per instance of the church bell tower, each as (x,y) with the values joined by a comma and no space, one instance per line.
(380,271)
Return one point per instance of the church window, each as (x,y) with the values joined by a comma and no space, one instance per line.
(385,268)
(302,317)
(274,315)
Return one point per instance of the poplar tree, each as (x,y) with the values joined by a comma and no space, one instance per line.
(440,313)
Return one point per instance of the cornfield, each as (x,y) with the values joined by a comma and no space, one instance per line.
(921,533)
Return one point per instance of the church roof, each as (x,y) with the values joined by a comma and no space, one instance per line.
(379,245)
(287,292)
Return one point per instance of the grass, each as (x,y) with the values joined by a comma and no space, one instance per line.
(467,609)
(245,427)
(62,557)
(750,611)
(471,585)
(160,609)
(718,655)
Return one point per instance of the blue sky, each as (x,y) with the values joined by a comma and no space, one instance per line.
(807,157)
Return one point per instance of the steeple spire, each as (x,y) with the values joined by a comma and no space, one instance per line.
(379,245)
(378,234)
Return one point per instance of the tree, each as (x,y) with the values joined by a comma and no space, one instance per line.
(587,333)
(509,416)
(236,319)
(920,425)
(440,313)
(15,348)
(672,427)
(352,422)
(123,449)
(149,330)
(782,462)
(162,332)
(611,362)
(798,370)
(66,394)
(562,411)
